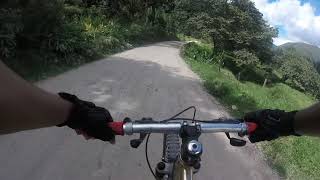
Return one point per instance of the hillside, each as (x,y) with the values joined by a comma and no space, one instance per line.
(307,50)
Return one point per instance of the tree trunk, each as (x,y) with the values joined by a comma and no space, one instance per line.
(221,63)
(239,76)
(265,82)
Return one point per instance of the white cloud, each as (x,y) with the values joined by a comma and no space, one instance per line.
(279,41)
(299,20)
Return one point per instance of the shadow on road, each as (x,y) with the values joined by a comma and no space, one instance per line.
(128,87)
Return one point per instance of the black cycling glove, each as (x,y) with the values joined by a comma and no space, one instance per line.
(271,124)
(89,118)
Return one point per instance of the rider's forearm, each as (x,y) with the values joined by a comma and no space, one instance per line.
(307,121)
(24,106)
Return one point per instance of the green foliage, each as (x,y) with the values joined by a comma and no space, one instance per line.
(224,85)
(294,158)
(240,62)
(57,36)
(230,25)
(9,27)
(306,50)
(24,28)
(297,71)
(245,60)
(151,10)
(202,53)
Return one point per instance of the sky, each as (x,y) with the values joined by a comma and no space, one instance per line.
(296,20)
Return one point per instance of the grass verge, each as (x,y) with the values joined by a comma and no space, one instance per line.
(293,158)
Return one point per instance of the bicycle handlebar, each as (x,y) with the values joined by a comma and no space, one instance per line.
(129,128)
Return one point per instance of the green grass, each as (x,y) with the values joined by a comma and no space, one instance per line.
(293,157)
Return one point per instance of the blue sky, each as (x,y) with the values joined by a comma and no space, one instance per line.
(282,31)
(314,3)
(297,20)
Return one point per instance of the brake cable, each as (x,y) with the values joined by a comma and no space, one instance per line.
(233,141)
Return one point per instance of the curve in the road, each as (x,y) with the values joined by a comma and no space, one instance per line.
(150,81)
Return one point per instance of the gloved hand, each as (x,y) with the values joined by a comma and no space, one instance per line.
(271,124)
(88,119)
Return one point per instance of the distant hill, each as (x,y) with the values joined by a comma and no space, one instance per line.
(307,50)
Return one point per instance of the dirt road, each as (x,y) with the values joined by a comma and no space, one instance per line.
(151,81)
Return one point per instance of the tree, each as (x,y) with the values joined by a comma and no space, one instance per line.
(298,71)
(230,24)
(245,61)
(250,30)
(28,24)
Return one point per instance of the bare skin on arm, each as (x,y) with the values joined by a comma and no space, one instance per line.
(307,121)
(24,106)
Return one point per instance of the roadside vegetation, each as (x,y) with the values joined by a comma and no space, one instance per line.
(39,38)
(293,157)
(240,65)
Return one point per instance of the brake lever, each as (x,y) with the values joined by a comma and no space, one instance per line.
(135,143)
(236,142)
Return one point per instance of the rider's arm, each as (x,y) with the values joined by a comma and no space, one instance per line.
(24,106)
(307,121)
(276,123)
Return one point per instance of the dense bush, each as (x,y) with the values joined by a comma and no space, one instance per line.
(200,53)
(297,71)
(38,37)
(244,60)
(8,29)
(22,27)
(242,63)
